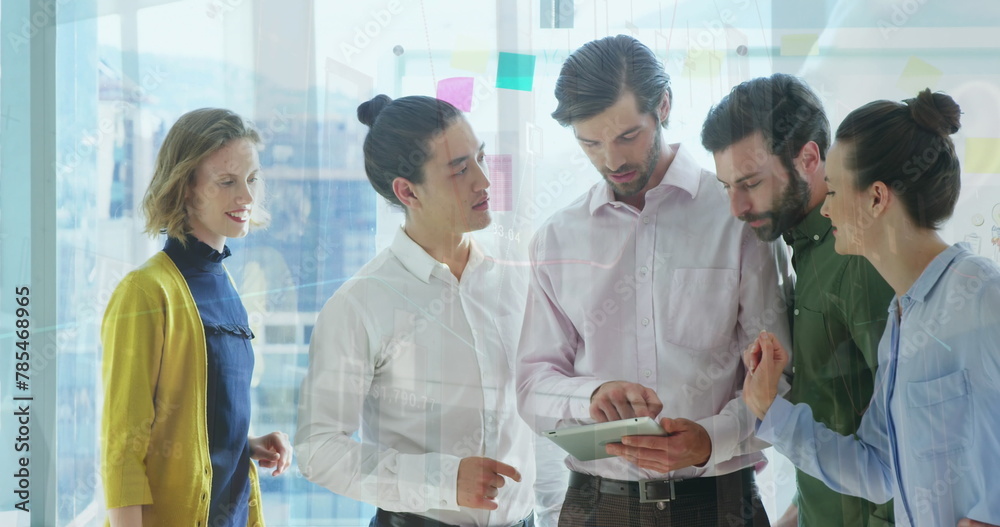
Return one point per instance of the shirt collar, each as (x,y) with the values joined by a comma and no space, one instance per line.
(930,277)
(814,228)
(422,265)
(683,173)
(197,254)
(934,271)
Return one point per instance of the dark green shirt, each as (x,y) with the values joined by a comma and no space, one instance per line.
(839,315)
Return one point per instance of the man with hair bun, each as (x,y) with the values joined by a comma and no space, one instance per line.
(929,440)
(769,137)
(415,353)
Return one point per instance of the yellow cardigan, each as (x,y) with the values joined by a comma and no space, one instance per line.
(154,450)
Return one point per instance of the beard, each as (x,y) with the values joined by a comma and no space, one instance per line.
(645,172)
(787,210)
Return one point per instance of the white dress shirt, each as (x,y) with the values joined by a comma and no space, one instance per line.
(667,297)
(423,365)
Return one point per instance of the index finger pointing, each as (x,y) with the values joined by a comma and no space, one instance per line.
(506,470)
(639,407)
(653,402)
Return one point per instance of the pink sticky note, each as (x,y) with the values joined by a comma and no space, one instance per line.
(501,182)
(457,91)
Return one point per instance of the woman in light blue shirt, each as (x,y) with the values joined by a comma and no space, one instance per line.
(930,438)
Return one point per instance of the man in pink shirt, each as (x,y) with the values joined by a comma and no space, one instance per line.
(643,294)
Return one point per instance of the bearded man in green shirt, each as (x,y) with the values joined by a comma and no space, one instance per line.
(769,137)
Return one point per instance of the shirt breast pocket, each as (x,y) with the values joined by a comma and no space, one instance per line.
(824,356)
(702,305)
(940,414)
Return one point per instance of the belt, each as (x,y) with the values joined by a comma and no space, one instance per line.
(656,490)
(384,518)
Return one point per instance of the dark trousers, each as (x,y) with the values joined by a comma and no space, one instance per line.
(385,518)
(731,502)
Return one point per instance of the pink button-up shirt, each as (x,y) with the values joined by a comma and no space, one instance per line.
(667,297)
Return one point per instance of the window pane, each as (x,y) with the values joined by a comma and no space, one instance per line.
(126,70)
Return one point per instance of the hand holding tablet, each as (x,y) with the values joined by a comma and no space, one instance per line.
(587,442)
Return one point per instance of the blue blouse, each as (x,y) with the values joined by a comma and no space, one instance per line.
(230,365)
(931,436)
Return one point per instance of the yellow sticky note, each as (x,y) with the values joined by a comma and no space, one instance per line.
(982,155)
(917,76)
(799,45)
(703,64)
(470,54)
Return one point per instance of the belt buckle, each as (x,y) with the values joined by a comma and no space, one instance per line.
(645,497)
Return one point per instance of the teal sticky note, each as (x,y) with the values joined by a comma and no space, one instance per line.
(515,71)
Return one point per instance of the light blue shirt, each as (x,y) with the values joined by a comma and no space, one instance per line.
(931,435)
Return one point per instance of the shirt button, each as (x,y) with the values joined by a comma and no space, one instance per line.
(661,505)
(796,312)
(646,219)
(645,322)
(647,372)
(644,270)
(816,237)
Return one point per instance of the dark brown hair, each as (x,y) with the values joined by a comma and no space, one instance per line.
(597,74)
(907,146)
(781,107)
(399,138)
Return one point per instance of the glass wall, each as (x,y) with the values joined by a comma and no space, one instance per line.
(125,70)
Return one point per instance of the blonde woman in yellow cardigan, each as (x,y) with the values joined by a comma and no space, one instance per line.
(177,355)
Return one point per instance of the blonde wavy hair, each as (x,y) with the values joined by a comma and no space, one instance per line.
(195,136)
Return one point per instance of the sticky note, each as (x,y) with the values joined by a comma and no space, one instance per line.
(457,91)
(501,182)
(982,155)
(918,75)
(703,64)
(515,71)
(799,45)
(470,54)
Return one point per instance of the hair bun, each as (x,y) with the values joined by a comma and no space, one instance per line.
(936,112)
(368,111)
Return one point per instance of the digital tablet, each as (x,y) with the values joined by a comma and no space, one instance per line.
(586,442)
